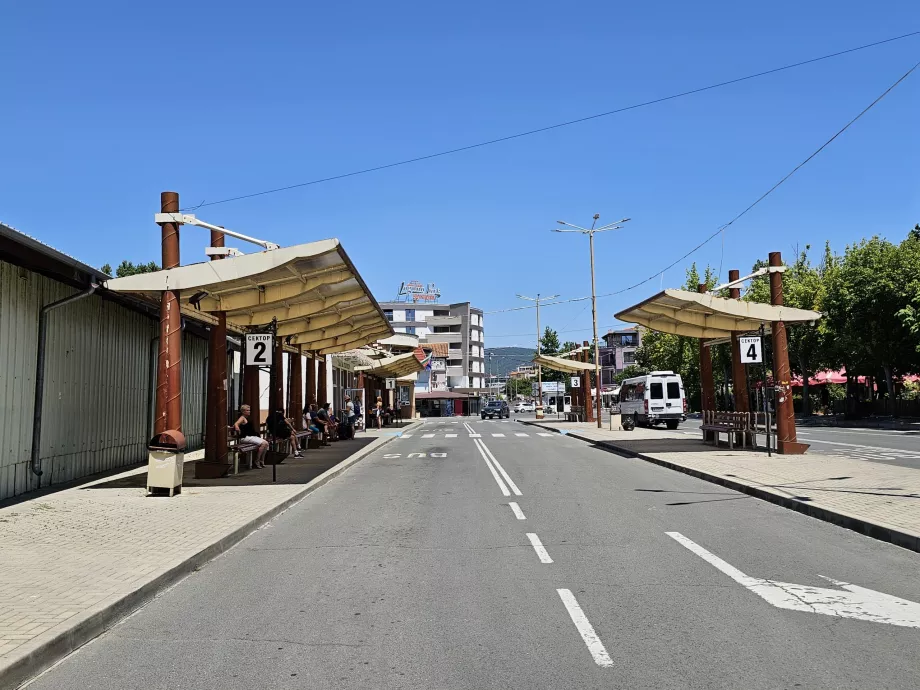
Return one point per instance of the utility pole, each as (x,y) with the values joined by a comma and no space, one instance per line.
(597,358)
(538,299)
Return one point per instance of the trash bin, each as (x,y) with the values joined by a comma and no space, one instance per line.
(166,461)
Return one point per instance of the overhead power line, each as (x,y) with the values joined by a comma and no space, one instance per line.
(724,227)
(558,125)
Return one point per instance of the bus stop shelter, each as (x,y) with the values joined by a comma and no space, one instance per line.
(573,367)
(310,298)
(707,317)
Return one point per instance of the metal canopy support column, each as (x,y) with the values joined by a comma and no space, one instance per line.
(311,381)
(589,405)
(169,370)
(321,379)
(739,375)
(707,388)
(296,392)
(215,439)
(786,442)
(276,399)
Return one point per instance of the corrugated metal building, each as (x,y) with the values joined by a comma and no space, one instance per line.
(100,361)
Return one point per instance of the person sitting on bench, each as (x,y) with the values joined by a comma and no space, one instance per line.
(281,428)
(312,422)
(247,433)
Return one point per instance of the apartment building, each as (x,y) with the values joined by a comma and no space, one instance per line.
(459,326)
(618,352)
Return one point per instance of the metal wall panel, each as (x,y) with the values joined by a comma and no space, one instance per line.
(97,396)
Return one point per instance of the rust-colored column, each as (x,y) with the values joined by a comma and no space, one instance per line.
(169,370)
(707,388)
(589,400)
(252,393)
(786,442)
(312,398)
(215,438)
(276,397)
(296,392)
(321,379)
(739,374)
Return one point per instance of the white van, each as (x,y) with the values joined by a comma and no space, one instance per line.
(654,398)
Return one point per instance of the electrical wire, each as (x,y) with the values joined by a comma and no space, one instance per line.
(724,227)
(555,126)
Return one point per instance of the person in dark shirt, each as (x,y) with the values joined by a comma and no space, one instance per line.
(281,428)
(248,433)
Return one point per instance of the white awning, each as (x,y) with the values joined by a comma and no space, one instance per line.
(700,315)
(569,366)
(313,290)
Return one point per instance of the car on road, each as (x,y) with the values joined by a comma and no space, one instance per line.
(495,408)
(654,398)
(524,407)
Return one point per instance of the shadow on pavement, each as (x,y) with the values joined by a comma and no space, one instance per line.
(292,471)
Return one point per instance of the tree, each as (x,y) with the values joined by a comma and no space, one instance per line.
(804,287)
(629,372)
(910,259)
(127,268)
(867,293)
(549,345)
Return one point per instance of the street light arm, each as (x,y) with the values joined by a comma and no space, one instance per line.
(572,225)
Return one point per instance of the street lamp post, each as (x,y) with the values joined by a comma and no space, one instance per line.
(590,233)
(538,299)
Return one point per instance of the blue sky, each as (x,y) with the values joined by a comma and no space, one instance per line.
(107,104)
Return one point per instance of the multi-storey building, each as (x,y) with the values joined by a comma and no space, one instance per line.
(619,352)
(459,326)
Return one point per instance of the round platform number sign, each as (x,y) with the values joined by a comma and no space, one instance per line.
(751,350)
(258,349)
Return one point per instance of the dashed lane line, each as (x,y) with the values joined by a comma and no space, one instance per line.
(539,548)
(585,629)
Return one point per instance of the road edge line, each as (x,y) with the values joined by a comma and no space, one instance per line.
(874,530)
(36,661)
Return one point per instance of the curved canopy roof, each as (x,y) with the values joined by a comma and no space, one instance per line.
(701,315)
(569,366)
(396,367)
(313,290)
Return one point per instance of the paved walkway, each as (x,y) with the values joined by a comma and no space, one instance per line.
(74,561)
(880,500)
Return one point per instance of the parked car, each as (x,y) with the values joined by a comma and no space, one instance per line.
(522,406)
(654,398)
(495,408)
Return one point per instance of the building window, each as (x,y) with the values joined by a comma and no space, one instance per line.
(410,314)
(629,358)
(388,313)
(410,330)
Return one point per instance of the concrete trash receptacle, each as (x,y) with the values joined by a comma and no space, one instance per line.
(166,462)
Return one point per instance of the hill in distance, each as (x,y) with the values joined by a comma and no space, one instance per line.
(507,359)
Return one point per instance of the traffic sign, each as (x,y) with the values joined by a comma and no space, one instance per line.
(576,382)
(751,349)
(391,384)
(258,349)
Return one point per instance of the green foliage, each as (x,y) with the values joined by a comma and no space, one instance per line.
(519,386)
(127,268)
(629,372)
(549,345)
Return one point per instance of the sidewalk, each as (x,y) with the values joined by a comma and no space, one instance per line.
(881,501)
(77,560)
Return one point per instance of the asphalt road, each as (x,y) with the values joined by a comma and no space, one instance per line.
(888,446)
(413,570)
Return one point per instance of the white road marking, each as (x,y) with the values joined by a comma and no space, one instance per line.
(450,435)
(539,548)
(595,646)
(427,435)
(406,436)
(501,484)
(475,435)
(517,492)
(545,434)
(516,509)
(525,435)
(850,601)
(498,435)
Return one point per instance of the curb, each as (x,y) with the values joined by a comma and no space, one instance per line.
(46,655)
(875,530)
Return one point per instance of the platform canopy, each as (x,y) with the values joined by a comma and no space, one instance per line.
(313,290)
(700,315)
(397,366)
(569,366)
